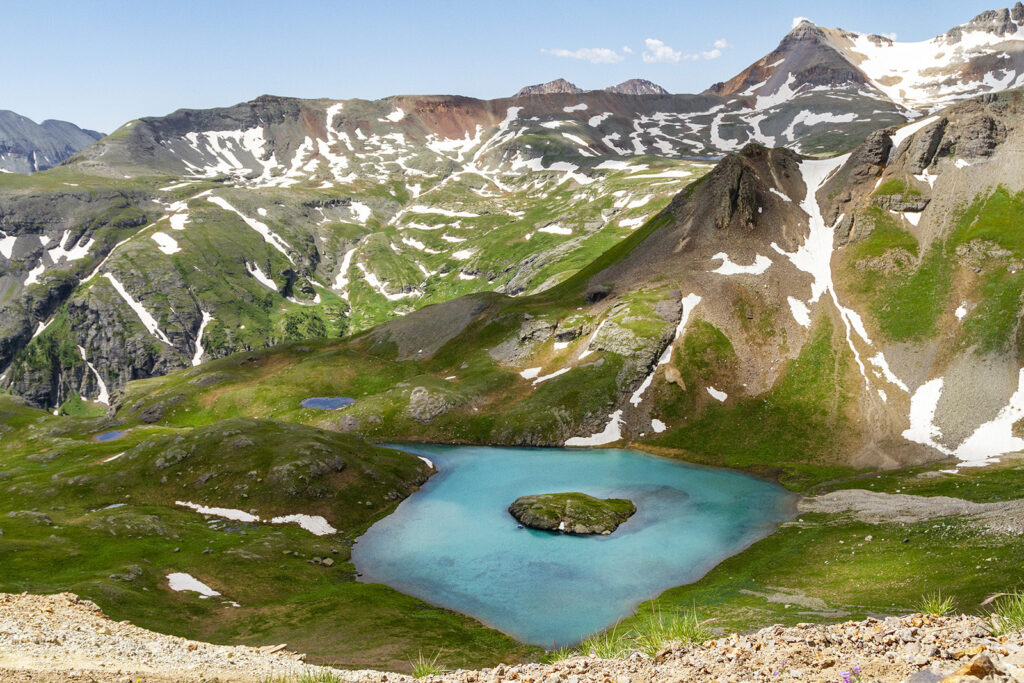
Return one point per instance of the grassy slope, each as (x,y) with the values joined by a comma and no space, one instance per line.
(120,556)
(793,432)
(907,298)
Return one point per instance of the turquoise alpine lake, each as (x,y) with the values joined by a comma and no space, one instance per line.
(454,544)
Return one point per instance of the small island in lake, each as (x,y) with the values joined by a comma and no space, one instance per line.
(572,513)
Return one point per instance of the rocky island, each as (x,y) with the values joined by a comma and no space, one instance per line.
(572,513)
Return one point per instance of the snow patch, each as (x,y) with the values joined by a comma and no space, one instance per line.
(314,524)
(760,264)
(33,275)
(545,378)
(996,436)
(611,433)
(261,277)
(923,403)
(166,243)
(226,513)
(77,251)
(719,396)
(801,314)
(555,229)
(147,319)
(179,581)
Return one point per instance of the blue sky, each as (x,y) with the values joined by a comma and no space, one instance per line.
(103,62)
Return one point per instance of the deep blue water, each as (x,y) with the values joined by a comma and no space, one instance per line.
(327,402)
(454,544)
(111,436)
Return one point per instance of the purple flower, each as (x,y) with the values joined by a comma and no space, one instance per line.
(856,669)
(846,676)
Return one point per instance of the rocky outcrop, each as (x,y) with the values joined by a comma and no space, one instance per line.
(924,146)
(424,404)
(637,86)
(572,513)
(895,202)
(557,86)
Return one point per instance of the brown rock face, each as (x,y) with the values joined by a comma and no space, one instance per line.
(559,85)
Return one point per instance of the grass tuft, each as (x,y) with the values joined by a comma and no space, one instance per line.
(658,630)
(649,634)
(307,677)
(1007,615)
(423,667)
(936,604)
(611,644)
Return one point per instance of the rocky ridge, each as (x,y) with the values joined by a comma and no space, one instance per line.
(27,146)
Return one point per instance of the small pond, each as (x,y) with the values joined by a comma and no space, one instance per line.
(454,544)
(327,402)
(110,436)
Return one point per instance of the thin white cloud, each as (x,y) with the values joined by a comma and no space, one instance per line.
(627,49)
(658,52)
(594,55)
(798,20)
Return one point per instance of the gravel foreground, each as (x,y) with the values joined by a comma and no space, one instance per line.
(60,637)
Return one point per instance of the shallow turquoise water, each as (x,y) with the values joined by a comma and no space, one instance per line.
(454,544)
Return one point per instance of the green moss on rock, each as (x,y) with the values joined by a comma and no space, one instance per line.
(572,513)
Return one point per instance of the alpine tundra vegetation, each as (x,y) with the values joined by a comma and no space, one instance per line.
(430,382)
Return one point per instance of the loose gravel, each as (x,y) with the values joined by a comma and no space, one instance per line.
(62,638)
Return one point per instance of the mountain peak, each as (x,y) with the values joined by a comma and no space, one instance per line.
(557,86)
(27,146)
(637,86)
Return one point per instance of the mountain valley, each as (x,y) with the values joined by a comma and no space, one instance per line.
(812,273)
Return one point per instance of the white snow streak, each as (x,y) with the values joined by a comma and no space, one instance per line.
(689,302)
(269,236)
(147,319)
(197,358)
(103,396)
